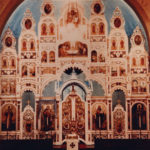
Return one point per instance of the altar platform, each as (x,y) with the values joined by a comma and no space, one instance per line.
(100,144)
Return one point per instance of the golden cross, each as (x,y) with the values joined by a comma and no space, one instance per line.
(118,101)
(28,102)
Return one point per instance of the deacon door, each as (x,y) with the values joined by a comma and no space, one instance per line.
(119,126)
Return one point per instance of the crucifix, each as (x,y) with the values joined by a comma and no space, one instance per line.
(28,102)
(73,108)
(73,104)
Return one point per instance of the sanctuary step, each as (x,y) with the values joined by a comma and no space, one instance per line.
(81,147)
(26,144)
(122,144)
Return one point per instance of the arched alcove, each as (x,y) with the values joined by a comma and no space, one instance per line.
(139,117)
(97,89)
(118,97)
(78,88)
(28,98)
(49,90)
(8,118)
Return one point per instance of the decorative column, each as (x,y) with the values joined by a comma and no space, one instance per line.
(109,116)
(128,119)
(60,122)
(35,119)
(58,114)
(21,120)
(18,117)
(86,121)
(88,136)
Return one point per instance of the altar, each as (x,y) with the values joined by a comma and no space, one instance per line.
(72,141)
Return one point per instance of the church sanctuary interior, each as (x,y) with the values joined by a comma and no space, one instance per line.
(74,74)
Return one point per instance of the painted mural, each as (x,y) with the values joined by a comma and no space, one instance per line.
(99,117)
(9,118)
(47,118)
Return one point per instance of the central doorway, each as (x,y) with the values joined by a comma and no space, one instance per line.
(73,115)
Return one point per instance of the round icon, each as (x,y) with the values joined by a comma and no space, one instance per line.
(47,9)
(8,41)
(28,24)
(117,22)
(97,8)
(137,40)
